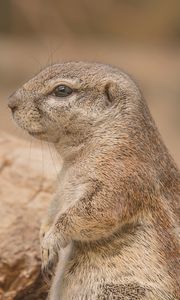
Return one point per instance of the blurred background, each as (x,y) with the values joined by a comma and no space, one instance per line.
(140,36)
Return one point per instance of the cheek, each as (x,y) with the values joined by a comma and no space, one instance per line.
(55,111)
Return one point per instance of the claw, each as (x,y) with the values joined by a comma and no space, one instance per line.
(46,275)
(48,270)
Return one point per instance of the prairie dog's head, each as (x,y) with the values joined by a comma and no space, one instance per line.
(67,101)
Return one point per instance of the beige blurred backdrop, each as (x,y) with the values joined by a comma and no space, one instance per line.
(140,36)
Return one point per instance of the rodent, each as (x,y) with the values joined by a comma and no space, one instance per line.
(115,215)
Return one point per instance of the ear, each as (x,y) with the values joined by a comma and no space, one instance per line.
(114,92)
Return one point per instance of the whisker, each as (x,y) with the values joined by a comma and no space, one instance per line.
(42,157)
(53,161)
(30,149)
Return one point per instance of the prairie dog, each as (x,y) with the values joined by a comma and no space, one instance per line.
(116,205)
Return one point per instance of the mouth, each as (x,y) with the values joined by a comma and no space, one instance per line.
(36,133)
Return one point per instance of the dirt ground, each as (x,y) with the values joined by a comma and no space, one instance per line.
(156,70)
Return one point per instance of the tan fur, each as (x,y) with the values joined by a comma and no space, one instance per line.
(116,207)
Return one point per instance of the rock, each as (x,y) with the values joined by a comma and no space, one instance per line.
(24,192)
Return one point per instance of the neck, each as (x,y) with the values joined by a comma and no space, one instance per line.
(68,153)
(69,149)
(95,145)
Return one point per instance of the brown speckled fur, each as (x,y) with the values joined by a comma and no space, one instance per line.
(114,220)
(127,292)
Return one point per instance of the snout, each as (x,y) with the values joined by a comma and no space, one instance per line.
(13,102)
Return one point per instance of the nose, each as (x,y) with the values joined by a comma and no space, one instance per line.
(13,102)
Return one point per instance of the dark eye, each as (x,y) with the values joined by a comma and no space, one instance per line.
(62,91)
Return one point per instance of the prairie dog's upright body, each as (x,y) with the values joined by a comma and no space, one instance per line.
(114,217)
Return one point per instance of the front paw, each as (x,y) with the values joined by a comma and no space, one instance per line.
(51,244)
(49,252)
